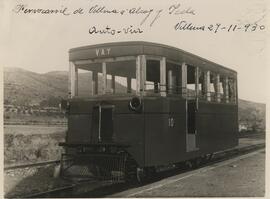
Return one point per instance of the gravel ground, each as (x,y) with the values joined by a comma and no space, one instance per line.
(242,178)
(34,129)
(23,182)
(23,148)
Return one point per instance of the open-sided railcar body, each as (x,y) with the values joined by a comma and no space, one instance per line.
(158,104)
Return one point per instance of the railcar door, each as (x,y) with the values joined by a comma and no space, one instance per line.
(191,143)
(102,123)
(106,123)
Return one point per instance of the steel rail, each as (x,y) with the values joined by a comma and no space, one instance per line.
(251,135)
(51,193)
(31,165)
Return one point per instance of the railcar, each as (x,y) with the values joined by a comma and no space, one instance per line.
(137,106)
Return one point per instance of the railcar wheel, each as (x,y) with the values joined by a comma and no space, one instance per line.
(194,163)
(145,174)
(197,162)
(189,164)
(141,175)
(209,157)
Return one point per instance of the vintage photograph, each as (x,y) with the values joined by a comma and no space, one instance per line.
(139,99)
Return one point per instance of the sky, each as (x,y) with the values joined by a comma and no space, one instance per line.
(40,42)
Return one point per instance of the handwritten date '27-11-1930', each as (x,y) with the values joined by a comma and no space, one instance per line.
(218,27)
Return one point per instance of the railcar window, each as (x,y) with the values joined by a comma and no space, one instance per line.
(89,80)
(222,89)
(226,89)
(232,90)
(173,75)
(121,77)
(152,84)
(212,86)
(84,80)
(109,84)
(117,77)
(217,87)
(202,85)
(120,85)
(191,86)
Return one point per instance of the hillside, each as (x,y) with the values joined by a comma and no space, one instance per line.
(22,87)
(251,115)
(25,88)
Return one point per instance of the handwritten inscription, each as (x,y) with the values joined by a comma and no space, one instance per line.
(177,9)
(22,8)
(217,27)
(147,16)
(112,31)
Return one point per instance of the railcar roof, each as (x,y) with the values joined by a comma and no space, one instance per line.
(133,48)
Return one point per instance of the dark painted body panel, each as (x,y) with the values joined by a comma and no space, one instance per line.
(217,126)
(152,141)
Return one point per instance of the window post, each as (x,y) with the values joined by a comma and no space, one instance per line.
(236,91)
(163,76)
(197,81)
(129,89)
(207,86)
(73,79)
(184,79)
(226,90)
(217,87)
(113,83)
(104,79)
(170,82)
(95,83)
(197,76)
(143,73)
(138,74)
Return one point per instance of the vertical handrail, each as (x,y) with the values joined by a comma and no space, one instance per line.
(99,123)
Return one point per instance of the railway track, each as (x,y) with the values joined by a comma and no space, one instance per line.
(51,162)
(252,135)
(37,164)
(100,189)
(59,192)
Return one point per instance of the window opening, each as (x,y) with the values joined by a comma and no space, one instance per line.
(89,80)
(202,85)
(191,86)
(222,89)
(122,73)
(84,83)
(173,75)
(232,90)
(212,87)
(152,83)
